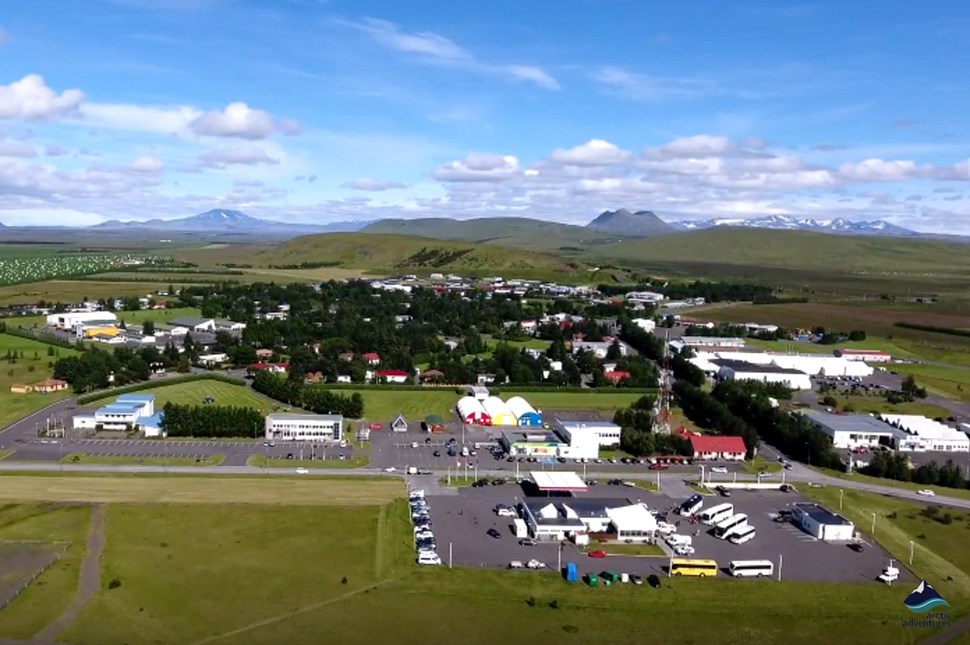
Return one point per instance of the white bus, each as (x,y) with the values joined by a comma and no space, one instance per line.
(730,526)
(742,536)
(751,568)
(716,514)
(691,505)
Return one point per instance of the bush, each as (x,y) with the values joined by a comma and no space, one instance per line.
(114,584)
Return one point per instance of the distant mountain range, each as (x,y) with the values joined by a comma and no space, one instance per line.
(222,221)
(789,223)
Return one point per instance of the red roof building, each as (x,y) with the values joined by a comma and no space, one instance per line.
(391,376)
(268,367)
(616,377)
(371,358)
(717,447)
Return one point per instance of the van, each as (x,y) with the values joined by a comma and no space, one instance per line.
(675,540)
(428,557)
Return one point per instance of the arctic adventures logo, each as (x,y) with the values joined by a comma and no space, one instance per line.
(922,600)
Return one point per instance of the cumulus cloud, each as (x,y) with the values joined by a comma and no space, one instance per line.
(595,152)
(879,170)
(236,120)
(479,167)
(366,183)
(147,164)
(249,155)
(17,149)
(140,118)
(30,99)
(435,48)
(701,145)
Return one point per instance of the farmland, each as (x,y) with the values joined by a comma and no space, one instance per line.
(31,366)
(74,291)
(34,265)
(946,381)
(192,393)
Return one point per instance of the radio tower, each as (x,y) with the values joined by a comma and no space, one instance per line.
(661,411)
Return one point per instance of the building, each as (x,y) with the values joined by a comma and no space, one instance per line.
(213,359)
(604,432)
(499,412)
(69,320)
(50,385)
(224,324)
(471,411)
(371,358)
(151,426)
(615,376)
(711,341)
(646,324)
(556,519)
(146,401)
(391,376)
(84,331)
(734,370)
(20,388)
(480,392)
(399,424)
(919,434)
(644,297)
(599,349)
(866,355)
(532,443)
(273,368)
(192,324)
(524,413)
(717,447)
(851,431)
(304,427)
(126,413)
(822,523)
(633,523)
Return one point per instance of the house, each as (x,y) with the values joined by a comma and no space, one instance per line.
(371,358)
(273,368)
(209,360)
(274,315)
(485,379)
(528,326)
(20,388)
(314,377)
(192,323)
(343,378)
(399,424)
(264,354)
(391,376)
(616,376)
(223,324)
(432,376)
(50,385)
(717,447)
(646,324)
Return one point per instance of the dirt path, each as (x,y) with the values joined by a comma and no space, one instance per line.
(90,579)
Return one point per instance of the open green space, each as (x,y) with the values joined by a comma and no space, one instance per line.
(193,392)
(74,291)
(953,382)
(101,460)
(761,465)
(529,343)
(631,549)
(31,366)
(879,405)
(892,483)
(354,461)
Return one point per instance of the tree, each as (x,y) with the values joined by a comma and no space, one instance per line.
(148,328)
(614,352)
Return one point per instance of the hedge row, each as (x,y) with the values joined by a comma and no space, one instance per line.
(493,389)
(147,385)
(952,331)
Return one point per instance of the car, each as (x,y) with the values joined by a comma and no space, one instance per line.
(389,469)
(505,512)
(722,491)
(658,466)
(424,535)
(598,553)
(857,547)
(498,482)
(787,488)
(535,564)
(436,453)
(302,471)
(510,459)
(720,470)
(635,579)
(925,492)
(665,528)
(414,444)
(764,473)
(612,460)
(527,542)
(493,533)
(787,465)
(684,549)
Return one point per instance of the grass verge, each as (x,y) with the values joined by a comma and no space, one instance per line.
(5,453)
(962,493)
(761,465)
(651,550)
(355,461)
(84,458)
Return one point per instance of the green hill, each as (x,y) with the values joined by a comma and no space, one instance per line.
(520,232)
(408,253)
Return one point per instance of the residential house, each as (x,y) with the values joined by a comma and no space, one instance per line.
(314,377)
(432,376)
(210,360)
(485,379)
(717,447)
(391,376)
(528,326)
(343,378)
(274,315)
(50,385)
(273,368)
(264,354)
(20,388)
(371,358)
(400,320)
(616,377)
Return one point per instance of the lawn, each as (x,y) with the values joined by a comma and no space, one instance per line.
(192,393)
(355,461)
(529,343)
(156,315)
(631,549)
(31,368)
(760,464)
(953,382)
(256,489)
(963,493)
(101,460)
(879,405)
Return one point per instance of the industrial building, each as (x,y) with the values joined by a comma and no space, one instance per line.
(129,411)
(532,443)
(69,320)
(919,434)
(809,364)
(735,370)
(709,341)
(605,433)
(499,412)
(471,411)
(822,523)
(524,413)
(304,427)
(851,431)
(866,355)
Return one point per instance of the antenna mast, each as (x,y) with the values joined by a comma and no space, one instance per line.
(661,412)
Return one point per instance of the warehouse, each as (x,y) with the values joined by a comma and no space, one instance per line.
(851,431)
(70,320)
(499,412)
(822,523)
(866,355)
(304,427)
(733,370)
(919,434)
(524,413)
(710,341)
(604,432)
(471,410)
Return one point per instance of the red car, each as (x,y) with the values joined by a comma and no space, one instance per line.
(599,553)
(659,467)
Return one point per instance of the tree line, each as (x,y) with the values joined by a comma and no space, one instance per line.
(312,398)
(895,465)
(216,421)
(637,436)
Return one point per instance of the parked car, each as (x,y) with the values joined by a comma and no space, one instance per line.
(302,471)
(658,466)
(684,549)
(635,579)
(436,453)
(926,492)
(598,553)
(722,491)
(527,542)
(857,547)
(720,470)
(535,564)
(493,533)
(504,511)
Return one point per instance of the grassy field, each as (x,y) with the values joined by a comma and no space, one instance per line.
(193,392)
(962,493)
(33,367)
(759,464)
(200,490)
(74,291)
(101,460)
(355,461)
(631,549)
(953,382)
(878,405)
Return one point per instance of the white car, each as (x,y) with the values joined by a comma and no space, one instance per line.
(535,564)
(302,471)
(720,470)
(666,529)
(505,512)
(684,549)
(424,535)
(926,492)
(390,469)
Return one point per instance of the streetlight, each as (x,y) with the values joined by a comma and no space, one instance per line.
(702,474)
(841,494)
(912,546)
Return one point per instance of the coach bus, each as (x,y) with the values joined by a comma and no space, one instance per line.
(691,505)
(730,526)
(751,568)
(716,514)
(744,535)
(693,567)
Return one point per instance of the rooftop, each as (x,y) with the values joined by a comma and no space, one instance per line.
(284,416)
(188,321)
(144,398)
(755,368)
(592,425)
(568,511)
(119,408)
(715,443)
(821,514)
(531,436)
(562,480)
(860,423)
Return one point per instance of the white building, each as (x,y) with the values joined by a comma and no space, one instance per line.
(866,355)
(525,414)
(471,410)
(644,297)
(70,320)
(213,359)
(633,523)
(597,348)
(604,433)
(822,523)
(850,431)
(920,434)
(743,371)
(128,411)
(710,341)
(192,324)
(646,324)
(304,427)
(499,412)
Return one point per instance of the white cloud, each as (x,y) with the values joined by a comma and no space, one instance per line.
(236,120)
(879,170)
(479,167)
(595,152)
(54,150)
(30,99)
(17,149)
(701,145)
(652,89)
(249,155)
(366,183)
(147,164)
(701,166)
(140,118)
(435,48)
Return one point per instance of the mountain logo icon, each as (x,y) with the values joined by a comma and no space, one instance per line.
(924,598)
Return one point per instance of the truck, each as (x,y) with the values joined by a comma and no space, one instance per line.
(521,529)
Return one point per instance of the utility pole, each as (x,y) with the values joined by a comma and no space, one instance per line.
(449,555)
(781,561)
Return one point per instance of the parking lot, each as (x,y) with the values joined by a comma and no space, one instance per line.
(463,520)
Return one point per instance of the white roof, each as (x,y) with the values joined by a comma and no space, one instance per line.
(519,406)
(558,480)
(496,407)
(469,404)
(634,517)
(924,428)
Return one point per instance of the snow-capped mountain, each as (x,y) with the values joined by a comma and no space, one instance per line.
(789,223)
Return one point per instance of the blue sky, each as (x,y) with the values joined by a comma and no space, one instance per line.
(317,111)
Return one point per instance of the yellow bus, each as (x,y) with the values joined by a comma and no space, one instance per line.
(692,567)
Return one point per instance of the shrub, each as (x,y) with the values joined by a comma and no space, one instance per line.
(114,584)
